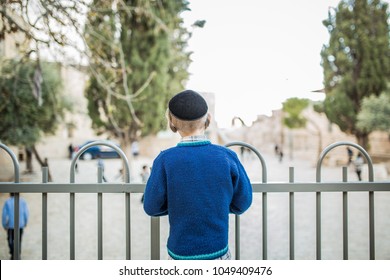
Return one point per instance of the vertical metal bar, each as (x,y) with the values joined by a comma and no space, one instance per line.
(72,211)
(372,224)
(318,207)
(128,210)
(45,179)
(371,207)
(72,225)
(155,238)
(265,230)
(238,237)
(128,227)
(292,221)
(100,216)
(16,226)
(345,216)
(318,225)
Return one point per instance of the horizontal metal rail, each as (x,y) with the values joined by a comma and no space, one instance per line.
(258,187)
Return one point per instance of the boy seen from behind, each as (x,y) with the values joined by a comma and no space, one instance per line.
(197,184)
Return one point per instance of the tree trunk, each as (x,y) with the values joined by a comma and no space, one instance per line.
(29,165)
(126,148)
(44,163)
(362,139)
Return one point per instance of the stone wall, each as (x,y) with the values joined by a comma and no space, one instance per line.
(305,143)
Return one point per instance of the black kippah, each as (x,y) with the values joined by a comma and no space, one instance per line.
(188,105)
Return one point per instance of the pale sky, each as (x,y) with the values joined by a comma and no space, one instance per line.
(255,54)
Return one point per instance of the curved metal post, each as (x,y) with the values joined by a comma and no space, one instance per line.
(371,194)
(264,197)
(72,195)
(99,143)
(16,201)
(253,149)
(14,160)
(344,143)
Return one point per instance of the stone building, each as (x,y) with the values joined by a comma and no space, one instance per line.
(266,132)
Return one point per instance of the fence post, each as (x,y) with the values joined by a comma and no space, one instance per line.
(264,199)
(45,179)
(73,198)
(371,195)
(16,201)
(345,216)
(292,215)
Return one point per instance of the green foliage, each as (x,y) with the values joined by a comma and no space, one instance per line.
(138,61)
(375,113)
(318,106)
(292,109)
(356,62)
(41,24)
(23,120)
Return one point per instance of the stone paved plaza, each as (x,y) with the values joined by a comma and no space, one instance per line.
(251,228)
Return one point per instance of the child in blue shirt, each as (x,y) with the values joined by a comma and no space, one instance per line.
(8,221)
(197,184)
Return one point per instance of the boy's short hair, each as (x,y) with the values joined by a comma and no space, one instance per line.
(176,124)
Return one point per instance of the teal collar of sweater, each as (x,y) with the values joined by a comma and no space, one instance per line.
(194,143)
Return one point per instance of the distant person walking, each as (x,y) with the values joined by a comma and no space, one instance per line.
(358,166)
(350,155)
(70,151)
(281,155)
(276,149)
(8,221)
(145,173)
(135,149)
(100,163)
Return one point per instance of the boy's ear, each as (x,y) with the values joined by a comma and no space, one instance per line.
(207,122)
(172,127)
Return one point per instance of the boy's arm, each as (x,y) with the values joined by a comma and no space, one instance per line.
(155,198)
(242,190)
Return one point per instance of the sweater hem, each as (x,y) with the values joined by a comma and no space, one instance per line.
(210,256)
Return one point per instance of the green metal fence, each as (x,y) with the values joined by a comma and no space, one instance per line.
(127,188)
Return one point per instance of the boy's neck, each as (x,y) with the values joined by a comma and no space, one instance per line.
(191,133)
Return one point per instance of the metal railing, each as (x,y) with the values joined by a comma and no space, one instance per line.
(129,188)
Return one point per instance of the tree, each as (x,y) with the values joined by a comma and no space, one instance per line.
(138,61)
(293,108)
(45,26)
(375,113)
(356,62)
(294,118)
(29,107)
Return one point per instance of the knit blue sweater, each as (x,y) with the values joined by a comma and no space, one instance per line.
(197,184)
